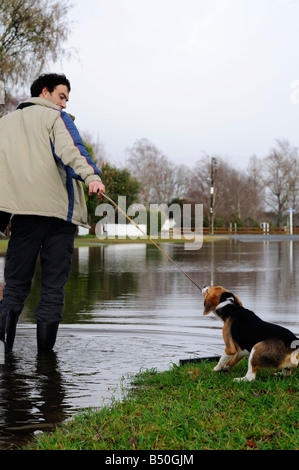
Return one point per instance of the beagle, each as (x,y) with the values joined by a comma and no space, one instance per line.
(245,334)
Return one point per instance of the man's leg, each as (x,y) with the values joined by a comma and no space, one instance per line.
(55,257)
(22,252)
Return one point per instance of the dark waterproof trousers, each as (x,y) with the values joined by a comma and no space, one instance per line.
(52,240)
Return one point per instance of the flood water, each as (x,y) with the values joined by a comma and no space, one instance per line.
(128,308)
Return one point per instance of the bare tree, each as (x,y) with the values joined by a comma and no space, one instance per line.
(161,180)
(32,34)
(237,195)
(255,190)
(199,184)
(231,194)
(281,178)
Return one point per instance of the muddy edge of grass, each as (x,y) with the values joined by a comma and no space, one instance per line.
(188,407)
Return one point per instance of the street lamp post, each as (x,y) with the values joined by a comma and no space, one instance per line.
(213,175)
(291,211)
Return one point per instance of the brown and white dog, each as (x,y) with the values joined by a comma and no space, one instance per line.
(245,334)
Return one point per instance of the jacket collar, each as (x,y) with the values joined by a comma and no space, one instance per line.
(39,101)
(42,102)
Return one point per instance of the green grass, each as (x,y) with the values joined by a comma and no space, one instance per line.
(188,408)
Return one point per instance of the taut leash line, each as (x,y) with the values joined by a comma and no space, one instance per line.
(146,235)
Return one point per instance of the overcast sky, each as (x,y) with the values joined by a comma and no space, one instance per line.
(194,77)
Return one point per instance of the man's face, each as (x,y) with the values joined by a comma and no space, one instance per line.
(59,96)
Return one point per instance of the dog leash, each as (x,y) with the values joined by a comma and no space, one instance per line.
(147,236)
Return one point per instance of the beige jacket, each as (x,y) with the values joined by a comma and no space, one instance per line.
(43,163)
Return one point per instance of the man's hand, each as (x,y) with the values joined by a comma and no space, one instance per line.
(95,187)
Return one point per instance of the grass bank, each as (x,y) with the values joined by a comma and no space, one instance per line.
(188,408)
(92,240)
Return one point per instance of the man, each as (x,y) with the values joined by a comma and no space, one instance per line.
(43,163)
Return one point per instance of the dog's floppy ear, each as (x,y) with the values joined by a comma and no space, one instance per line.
(210,303)
(212,297)
(207,307)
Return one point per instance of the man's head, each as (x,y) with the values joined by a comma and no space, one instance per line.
(52,87)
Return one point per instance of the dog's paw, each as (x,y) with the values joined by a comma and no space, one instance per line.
(246,378)
(283,373)
(221,369)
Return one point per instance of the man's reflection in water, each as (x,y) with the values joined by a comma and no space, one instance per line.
(31,398)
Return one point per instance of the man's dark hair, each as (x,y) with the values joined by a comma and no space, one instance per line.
(50,81)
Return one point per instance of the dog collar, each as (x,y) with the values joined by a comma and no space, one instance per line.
(228,301)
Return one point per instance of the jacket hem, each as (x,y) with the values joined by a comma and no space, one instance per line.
(43,214)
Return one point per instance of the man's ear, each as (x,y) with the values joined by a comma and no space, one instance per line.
(44,92)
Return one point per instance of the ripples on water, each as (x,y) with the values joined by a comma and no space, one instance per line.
(129,308)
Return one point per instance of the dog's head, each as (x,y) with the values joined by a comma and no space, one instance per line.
(214,295)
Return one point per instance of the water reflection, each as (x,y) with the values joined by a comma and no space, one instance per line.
(135,284)
(127,307)
(31,396)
